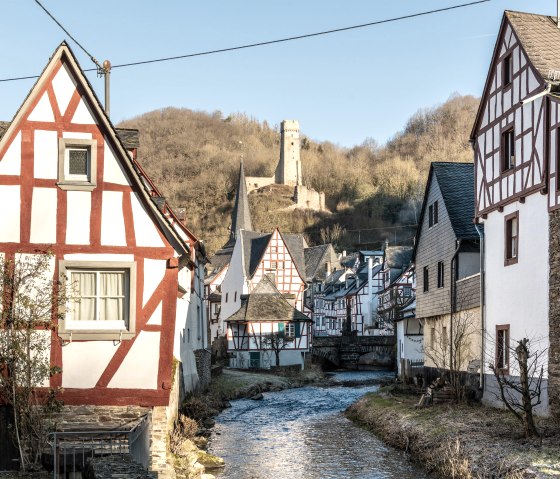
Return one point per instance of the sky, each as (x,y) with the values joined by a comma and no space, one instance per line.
(344,88)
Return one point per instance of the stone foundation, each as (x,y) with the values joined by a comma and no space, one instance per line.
(203,367)
(554,313)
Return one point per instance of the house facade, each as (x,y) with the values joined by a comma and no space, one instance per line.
(75,189)
(267,330)
(515,140)
(447,262)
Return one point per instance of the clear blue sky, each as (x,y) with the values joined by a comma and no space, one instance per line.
(344,87)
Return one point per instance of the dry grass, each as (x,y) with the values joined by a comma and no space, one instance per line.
(460,441)
(183,433)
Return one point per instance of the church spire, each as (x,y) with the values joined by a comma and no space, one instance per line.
(240,216)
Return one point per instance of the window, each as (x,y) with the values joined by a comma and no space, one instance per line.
(407,291)
(511,238)
(432,337)
(77,164)
(276,265)
(508,149)
(507,73)
(433,214)
(227,294)
(102,300)
(440,274)
(426,279)
(502,348)
(235,297)
(444,339)
(290,329)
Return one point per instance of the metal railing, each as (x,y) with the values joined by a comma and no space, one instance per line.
(71,450)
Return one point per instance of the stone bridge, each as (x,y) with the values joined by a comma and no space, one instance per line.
(355,352)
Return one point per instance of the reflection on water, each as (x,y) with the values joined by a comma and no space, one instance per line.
(301,433)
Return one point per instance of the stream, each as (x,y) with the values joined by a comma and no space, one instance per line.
(302,434)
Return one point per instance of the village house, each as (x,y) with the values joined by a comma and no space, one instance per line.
(267,330)
(447,261)
(517,158)
(397,305)
(75,188)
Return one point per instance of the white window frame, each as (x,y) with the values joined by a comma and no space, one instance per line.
(69,329)
(66,181)
(290,328)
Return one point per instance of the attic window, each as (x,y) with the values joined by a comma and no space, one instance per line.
(433,214)
(507,71)
(77,164)
(508,149)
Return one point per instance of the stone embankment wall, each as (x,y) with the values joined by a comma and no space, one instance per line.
(554,314)
(203,367)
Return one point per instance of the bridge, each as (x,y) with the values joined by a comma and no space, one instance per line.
(355,352)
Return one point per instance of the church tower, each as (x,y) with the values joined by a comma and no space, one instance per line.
(240,216)
(288,171)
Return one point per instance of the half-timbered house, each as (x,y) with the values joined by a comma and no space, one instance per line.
(515,139)
(447,261)
(266,324)
(71,184)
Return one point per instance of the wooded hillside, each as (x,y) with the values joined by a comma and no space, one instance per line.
(372,191)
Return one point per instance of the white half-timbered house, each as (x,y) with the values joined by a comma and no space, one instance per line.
(70,184)
(515,139)
(267,312)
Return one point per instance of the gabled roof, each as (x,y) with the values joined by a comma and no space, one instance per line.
(456,182)
(539,37)
(240,216)
(266,303)
(65,55)
(254,245)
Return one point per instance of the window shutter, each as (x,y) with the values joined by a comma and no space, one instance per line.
(280,327)
(298,329)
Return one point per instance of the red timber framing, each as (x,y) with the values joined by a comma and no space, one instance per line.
(172,245)
(502,109)
(246,336)
(554,152)
(278,260)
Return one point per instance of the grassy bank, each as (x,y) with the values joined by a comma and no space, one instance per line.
(460,441)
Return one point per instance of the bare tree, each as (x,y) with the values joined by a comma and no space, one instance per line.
(520,385)
(451,348)
(31,302)
(277,342)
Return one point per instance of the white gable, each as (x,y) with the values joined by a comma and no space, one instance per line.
(83,114)
(112,222)
(112,170)
(43,110)
(64,87)
(146,232)
(10,164)
(46,154)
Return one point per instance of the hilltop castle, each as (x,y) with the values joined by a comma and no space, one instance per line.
(288,171)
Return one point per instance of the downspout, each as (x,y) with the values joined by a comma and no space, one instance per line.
(482,315)
(453,298)
(370,292)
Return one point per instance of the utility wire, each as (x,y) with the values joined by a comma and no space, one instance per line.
(92,58)
(251,45)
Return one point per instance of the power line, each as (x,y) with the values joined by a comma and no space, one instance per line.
(258,44)
(92,58)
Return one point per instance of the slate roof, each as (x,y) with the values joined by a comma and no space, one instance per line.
(397,259)
(219,261)
(130,137)
(456,182)
(240,216)
(254,245)
(266,303)
(315,259)
(540,37)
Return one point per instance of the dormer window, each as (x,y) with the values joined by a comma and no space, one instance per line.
(77,164)
(508,149)
(508,71)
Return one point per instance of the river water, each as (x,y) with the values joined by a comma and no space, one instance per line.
(302,434)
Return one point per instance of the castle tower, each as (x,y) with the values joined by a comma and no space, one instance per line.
(288,171)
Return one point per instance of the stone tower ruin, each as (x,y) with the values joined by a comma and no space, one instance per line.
(288,171)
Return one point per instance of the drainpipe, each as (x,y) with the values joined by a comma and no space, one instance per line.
(482,302)
(452,290)
(370,290)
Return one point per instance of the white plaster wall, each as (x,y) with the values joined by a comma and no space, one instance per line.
(10,163)
(83,114)
(43,216)
(139,370)
(154,271)
(518,294)
(234,280)
(145,231)
(78,213)
(10,198)
(99,257)
(155,318)
(112,224)
(64,86)
(95,354)
(45,147)
(77,135)
(42,111)
(112,170)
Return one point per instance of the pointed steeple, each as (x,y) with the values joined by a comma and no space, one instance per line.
(240,216)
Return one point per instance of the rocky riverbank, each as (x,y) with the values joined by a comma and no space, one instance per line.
(460,441)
